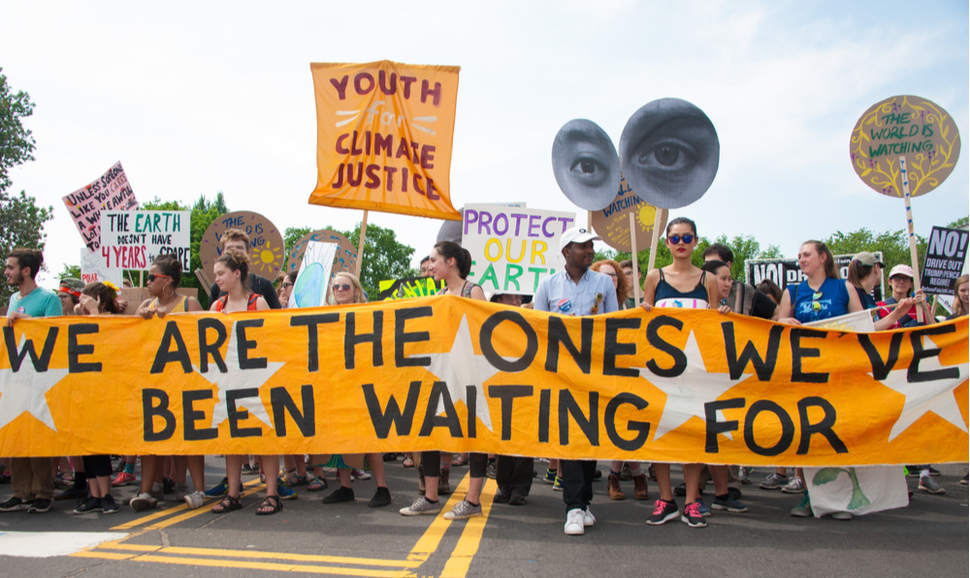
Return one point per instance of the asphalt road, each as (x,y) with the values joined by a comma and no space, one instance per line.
(928,538)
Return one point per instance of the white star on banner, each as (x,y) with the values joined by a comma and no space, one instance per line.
(237,378)
(688,392)
(926,396)
(461,367)
(26,391)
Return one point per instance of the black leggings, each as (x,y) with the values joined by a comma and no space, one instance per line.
(431,463)
(97,466)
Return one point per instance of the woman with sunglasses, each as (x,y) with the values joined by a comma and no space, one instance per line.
(164,277)
(347,290)
(232,277)
(683,285)
(822,295)
(451,263)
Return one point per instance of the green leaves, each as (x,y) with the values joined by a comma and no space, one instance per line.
(827,475)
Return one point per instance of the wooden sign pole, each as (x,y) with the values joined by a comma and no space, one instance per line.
(635,258)
(360,244)
(912,234)
(654,238)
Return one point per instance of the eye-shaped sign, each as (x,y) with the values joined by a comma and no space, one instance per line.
(669,153)
(585,164)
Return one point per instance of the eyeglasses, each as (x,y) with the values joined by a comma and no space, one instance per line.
(816,306)
(287,285)
(342,287)
(675,239)
(152,276)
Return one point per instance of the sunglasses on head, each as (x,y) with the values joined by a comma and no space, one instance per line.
(342,286)
(151,276)
(676,239)
(816,306)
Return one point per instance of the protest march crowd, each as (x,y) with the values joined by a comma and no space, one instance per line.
(581,288)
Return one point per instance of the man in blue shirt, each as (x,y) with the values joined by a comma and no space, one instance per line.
(33,486)
(577,291)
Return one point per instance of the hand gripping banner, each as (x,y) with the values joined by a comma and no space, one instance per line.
(460,375)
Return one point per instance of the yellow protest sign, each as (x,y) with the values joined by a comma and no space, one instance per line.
(460,375)
(384,136)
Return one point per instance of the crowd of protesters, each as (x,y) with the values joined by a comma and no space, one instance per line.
(581,288)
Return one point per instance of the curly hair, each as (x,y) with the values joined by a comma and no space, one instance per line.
(622,284)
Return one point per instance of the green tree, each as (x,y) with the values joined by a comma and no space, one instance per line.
(959,223)
(384,257)
(293,234)
(21,220)
(893,244)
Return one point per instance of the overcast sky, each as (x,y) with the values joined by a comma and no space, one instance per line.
(199,97)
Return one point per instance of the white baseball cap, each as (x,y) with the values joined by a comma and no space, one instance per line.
(904,270)
(576,235)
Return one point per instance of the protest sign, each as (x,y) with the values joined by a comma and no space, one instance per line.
(346,257)
(392,289)
(613,223)
(784,272)
(946,254)
(133,239)
(266,251)
(460,375)
(94,269)
(313,281)
(384,137)
(513,248)
(111,192)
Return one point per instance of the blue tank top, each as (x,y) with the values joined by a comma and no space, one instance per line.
(668,296)
(833,301)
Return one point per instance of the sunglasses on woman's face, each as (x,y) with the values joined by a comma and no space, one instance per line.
(152,276)
(676,239)
(342,287)
(287,285)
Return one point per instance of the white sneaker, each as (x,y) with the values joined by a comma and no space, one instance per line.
(194,500)
(143,502)
(588,518)
(574,523)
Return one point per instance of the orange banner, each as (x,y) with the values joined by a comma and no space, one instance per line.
(384,136)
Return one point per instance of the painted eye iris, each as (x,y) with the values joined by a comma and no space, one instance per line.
(587,166)
(666,155)
(588,171)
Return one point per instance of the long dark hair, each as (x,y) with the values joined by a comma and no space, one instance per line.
(463,259)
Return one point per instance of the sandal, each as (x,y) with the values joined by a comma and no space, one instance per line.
(317,484)
(408,462)
(459,461)
(296,480)
(272,502)
(228,504)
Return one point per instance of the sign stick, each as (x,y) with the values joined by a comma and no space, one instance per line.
(635,258)
(360,244)
(912,234)
(654,238)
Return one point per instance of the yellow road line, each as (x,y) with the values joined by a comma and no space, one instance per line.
(255,554)
(103,555)
(165,512)
(471,537)
(198,511)
(274,566)
(429,541)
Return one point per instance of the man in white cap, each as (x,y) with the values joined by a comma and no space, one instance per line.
(577,291)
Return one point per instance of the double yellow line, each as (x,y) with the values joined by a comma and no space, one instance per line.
(456,566)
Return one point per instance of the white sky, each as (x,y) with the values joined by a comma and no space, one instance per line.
(198,97)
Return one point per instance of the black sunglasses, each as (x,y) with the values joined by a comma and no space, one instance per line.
(342,287)
(152,276)
(675,239)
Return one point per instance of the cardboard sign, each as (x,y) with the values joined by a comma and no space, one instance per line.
(346,257)
(513,249)
(109,193)
(94,269)
(946,254)
(462,375)
(384,135)
(266,251)
(785,272)
(133,239)
(410,288)
(613,222)
(908,126)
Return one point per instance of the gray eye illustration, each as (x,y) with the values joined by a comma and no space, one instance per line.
(669,152)
(586,165)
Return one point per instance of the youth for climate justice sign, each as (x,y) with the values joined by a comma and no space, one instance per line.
(460,375)
(945,255)
(384,136)
(109,193)
(133,239)
(513,248)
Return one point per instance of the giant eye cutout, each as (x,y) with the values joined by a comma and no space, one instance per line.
(586,165)
(669,152)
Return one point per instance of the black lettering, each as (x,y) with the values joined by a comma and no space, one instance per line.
(654,339)
(641,427)
(471,405)
(881,369)
(164,355)
(798,353)
(382,419)
(508,393)
(764,368)
(150,411)
(439,392)
(403,337)
(545,396)
(589,426)
(787,428)
(352,339)
(311,322)
(559,336)
(613,348)
(40,363)
(913,374)
(715,427)
(237,415)
(243,345)
(823,427)
(488,350)
(207,349)
(75,350)
(283,403)
(192,415)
